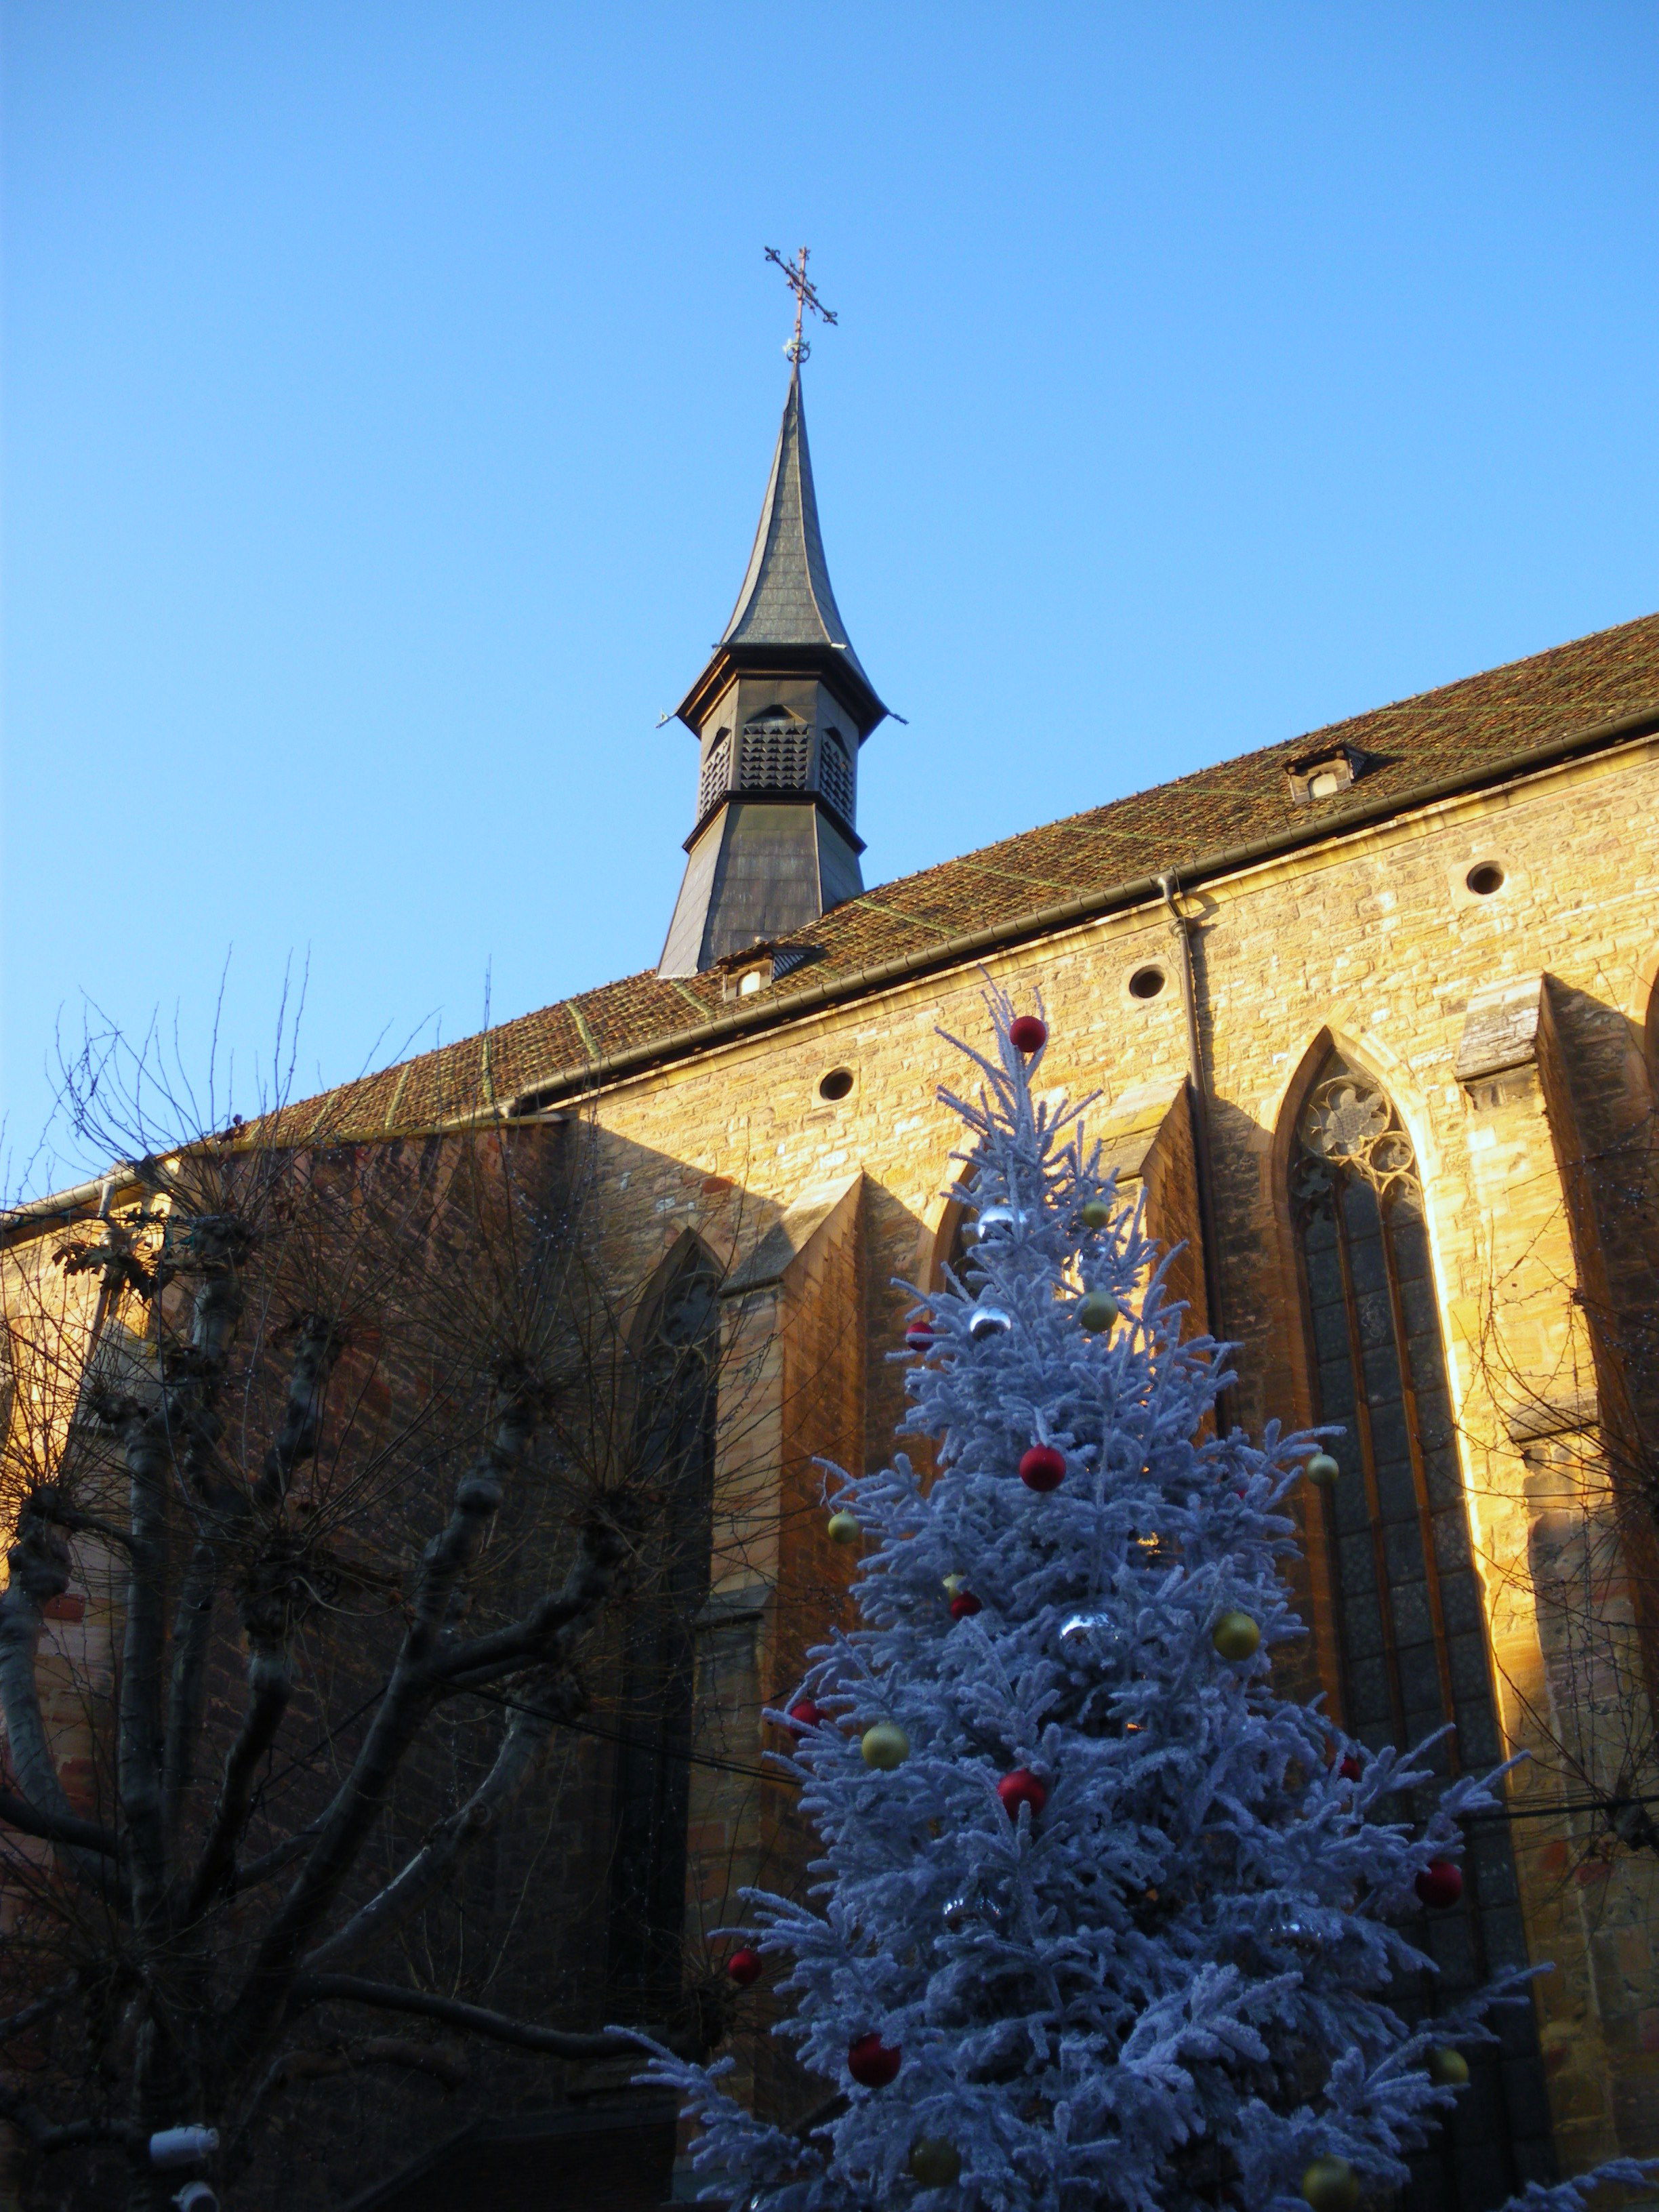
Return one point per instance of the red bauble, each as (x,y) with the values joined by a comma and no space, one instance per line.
(1042,1468)
(1022,1788)
(919,1337)
(805,1714)
(745,1967)
(873,2064)
(964,1605)
(1027,1034)
(1440,1883)
(1351,1769)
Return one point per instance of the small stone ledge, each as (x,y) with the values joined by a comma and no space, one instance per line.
(786,1240)
(1130,1127)
(727,1608)
(1500,1030)
(1566,1416)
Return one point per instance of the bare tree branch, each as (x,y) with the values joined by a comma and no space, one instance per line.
(42,2135)
(138,1726)
(56,1827)
(543,1634)
(318,1350)
(387,1997)
(441,2061)
(192,1634)
(52,1507)
(408,1700)
(522,1743)
(42,2008)
(270,1686)
(410,1697)
(269,1863)
(360,1417)
(39,1572)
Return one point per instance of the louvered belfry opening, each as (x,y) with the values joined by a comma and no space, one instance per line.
(670,1494)
(777,754)
(836,773)
(716,772)
(1411,1625)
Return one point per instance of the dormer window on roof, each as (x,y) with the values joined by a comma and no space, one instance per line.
(1325,773)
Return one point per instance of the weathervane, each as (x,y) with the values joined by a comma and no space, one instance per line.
(794,275)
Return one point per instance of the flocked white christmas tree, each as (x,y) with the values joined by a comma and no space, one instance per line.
(1105,1920)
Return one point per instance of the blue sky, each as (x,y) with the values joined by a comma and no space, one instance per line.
(390,391)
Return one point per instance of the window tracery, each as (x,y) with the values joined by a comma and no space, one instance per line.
(1348,1124)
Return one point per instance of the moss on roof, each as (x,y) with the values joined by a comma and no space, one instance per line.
(1464,729)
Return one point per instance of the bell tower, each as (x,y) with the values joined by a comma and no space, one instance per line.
(779,714)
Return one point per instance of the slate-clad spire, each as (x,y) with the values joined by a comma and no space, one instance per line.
(787,598)
(780,711)
(786,604)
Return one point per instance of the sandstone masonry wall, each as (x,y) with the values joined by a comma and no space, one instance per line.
(1374,943)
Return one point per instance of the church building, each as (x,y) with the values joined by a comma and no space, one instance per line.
(1369,1016)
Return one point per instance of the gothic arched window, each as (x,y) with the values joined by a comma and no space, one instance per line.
(1412,1634)
(669,1499)
(1410,1630)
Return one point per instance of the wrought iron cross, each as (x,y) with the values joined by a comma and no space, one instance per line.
(794,275)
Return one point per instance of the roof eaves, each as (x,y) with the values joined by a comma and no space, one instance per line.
(953,948)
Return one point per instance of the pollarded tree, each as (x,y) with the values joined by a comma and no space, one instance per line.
(1105,1920)
(340,1438)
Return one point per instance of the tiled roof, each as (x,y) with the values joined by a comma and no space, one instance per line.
(1462,732)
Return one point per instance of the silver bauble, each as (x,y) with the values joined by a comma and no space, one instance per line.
(987,1320)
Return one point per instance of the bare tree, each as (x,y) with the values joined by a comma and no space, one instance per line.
(1585,1428)
(339,1440)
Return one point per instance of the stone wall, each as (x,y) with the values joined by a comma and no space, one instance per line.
(1373,943)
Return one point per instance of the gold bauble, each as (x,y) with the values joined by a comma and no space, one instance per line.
(885,1746)
(934,2163)
(1236,1636)
(1330,2184)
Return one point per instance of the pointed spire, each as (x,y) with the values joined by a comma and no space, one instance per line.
(779,712)
(786,605)
(787,598)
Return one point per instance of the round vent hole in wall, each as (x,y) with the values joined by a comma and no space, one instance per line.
(836,1083)
(1146,983)
(1486,879)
